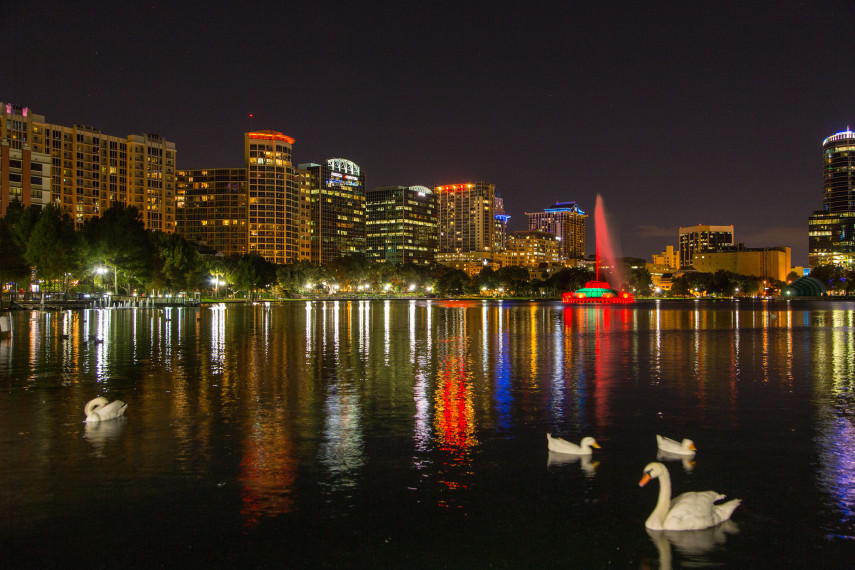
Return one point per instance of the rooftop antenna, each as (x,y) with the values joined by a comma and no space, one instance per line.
(250,122)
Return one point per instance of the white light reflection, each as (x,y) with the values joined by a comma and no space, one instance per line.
(101,338)
(323,332)
(412,323)
(421,427)
(485,329)
(218,338)
(308,328)
(656,369)
(342,450)
(336,315)
(364,326)
(167,338)
(387,308)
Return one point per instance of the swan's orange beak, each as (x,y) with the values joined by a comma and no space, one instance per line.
(595,444)
(644,480)
(692,447)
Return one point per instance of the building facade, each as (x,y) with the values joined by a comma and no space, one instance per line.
(337,209)
(539,252)
(466,217)
(273,196)
(211,208)
(501,223)
(703,239)
(303,180)
(831,231)
(88,170)
(771,262)
(565,220)
(401,224)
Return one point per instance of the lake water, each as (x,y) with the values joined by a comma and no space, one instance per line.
(412,434)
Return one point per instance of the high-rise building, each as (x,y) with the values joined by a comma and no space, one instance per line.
(303,180)
(273,196)
(401,224)
(567,221)
(831,231)
(243,210)
(703,239)
(466,217)
(25,175)
(501,223)
(211,208)
(88,170)
(337,209)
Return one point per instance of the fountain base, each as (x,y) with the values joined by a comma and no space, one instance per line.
(597,292)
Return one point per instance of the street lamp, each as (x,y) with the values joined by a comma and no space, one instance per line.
(216,283)
(101,271)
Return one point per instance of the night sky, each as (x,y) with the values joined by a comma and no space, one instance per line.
(677,113)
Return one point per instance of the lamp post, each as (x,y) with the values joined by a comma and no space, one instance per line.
(101,271)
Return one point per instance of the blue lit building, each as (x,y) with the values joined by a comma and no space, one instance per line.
(567,221)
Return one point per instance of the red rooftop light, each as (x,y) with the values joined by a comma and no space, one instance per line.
(271,136)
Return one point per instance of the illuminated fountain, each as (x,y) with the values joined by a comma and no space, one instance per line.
(600,291)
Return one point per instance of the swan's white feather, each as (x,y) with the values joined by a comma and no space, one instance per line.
(689,511)
(99,410)
(685,447)
(563,446)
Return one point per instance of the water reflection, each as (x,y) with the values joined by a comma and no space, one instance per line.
(836,430)
(268,471)
(302,404)
(100,434)
(695,546)
(688,461)
(563,460)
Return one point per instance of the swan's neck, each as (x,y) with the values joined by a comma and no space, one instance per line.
(656,520)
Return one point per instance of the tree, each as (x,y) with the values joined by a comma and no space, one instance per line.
(485,280)
(680,286)
(569,279)
(118,240)
(252,273)
(832,276)
(176,264)
(513,279)
(53,246)
(639,280)
(349,269)
(450,281)
(13,267)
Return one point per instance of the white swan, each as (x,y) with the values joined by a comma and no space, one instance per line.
(564,446)
(99,410)
(686,447)
(689,511)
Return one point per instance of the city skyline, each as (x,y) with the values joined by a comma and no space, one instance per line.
(677,116)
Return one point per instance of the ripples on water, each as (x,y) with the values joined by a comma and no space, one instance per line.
(413,433)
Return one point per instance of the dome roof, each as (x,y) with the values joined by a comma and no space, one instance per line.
(804,287)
